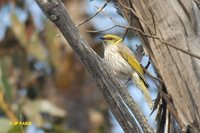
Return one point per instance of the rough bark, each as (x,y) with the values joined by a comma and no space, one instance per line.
(106,83)
(177,22)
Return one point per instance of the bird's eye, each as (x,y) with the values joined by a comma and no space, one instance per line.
(109,38)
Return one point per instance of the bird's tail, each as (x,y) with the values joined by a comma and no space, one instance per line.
(141,85)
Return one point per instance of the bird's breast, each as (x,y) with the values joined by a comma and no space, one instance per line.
(117,63)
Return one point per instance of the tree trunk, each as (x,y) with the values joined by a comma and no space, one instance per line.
(176,22)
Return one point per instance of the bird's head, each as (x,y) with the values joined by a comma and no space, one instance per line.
(111,39)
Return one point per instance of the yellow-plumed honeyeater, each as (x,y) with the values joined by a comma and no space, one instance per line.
(124,64)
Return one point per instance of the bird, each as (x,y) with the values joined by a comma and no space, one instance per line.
(124,64)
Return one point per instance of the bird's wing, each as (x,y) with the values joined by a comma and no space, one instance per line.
(128,55)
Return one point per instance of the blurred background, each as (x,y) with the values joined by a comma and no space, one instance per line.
(41,79)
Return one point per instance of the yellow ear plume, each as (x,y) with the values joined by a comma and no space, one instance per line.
(117,42)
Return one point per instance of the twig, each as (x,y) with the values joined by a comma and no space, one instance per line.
(139,52)
(94,14)
(125,34)
(147,66)
(94,31)
(139,17)
(153,77)
(100,9)
(135,14)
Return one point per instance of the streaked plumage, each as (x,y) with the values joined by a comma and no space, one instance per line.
(124,64)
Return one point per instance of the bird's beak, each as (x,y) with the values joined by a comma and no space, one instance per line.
(102,38)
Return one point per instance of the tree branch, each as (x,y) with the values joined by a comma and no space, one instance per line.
(115,95)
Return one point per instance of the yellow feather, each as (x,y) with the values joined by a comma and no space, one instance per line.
(128,55)
(143,89)
(130,58)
